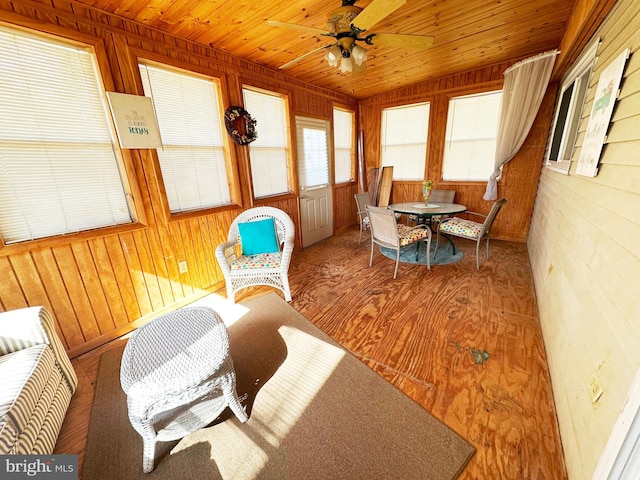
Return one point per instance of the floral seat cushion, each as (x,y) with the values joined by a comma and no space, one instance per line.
(262,260)
(409,235)
(460,226)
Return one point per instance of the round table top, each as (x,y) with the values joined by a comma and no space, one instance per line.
(174,351)
(428,210)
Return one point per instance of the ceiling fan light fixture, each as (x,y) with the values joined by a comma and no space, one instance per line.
(333,56)
(346,65)
(359,54)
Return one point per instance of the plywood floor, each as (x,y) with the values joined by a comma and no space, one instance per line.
(463,343)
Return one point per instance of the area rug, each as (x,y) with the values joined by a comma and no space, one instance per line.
(443,255)
(315,412)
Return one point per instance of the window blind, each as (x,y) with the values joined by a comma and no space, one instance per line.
(193,157)
(313,152)
(344,151)
(470,140)
(404,140)
(59,170)
(269,152)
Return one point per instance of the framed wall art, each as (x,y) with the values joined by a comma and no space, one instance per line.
(605,99)
(135,120)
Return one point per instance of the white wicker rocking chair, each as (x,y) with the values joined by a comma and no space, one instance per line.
(269,269)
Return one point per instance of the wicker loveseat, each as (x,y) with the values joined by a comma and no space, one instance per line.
(36,382)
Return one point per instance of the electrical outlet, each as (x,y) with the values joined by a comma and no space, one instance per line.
(182,266)
(595,389)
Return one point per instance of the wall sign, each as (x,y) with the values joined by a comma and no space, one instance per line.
(605,99)
(135,120)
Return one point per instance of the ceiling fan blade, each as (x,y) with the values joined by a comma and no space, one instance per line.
(275,23)
(398,40)
(376,11)
(296,60)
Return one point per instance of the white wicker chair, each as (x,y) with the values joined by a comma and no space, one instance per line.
(243,271)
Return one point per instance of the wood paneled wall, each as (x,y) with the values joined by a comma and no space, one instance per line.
(585,261)
(519,180)
(100,287)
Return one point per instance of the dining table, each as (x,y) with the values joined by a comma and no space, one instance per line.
(425,211)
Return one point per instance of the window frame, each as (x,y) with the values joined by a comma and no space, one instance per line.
(353,153)
(123,156)
(574,113)
(144,57)
(489,90)
(292,182)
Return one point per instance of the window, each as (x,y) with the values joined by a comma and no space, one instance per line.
(344,145)
(193,159)
(60,168)
(404,140)
(269,153)
(470,139)
(570,103)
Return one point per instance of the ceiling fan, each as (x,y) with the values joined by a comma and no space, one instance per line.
(348,25)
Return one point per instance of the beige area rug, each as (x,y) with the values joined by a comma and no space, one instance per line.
(315,412)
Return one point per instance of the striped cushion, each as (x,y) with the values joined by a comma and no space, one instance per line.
(26,327)
(263,260)
(29,382)
(460,226)
(42,441)
(8,438)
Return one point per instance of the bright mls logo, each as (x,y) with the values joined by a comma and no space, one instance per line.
(50,467)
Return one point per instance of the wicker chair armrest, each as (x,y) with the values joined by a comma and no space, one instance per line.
(287,249)
(226,253)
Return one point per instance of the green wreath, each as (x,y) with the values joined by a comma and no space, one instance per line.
(240,125)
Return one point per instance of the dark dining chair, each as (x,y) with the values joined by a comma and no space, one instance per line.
(461,227)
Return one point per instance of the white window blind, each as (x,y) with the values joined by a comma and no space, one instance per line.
(192,160)
(59,172)
(343,142)
(470,140)
(404,140)
(313,152)
(269,152)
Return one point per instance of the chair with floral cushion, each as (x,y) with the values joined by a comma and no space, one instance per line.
(362,200)
(460,227)
(257,251)
(387,232)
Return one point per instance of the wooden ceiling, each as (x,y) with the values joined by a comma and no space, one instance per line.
(468,34)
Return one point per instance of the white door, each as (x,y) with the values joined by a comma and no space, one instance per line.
(316,207)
